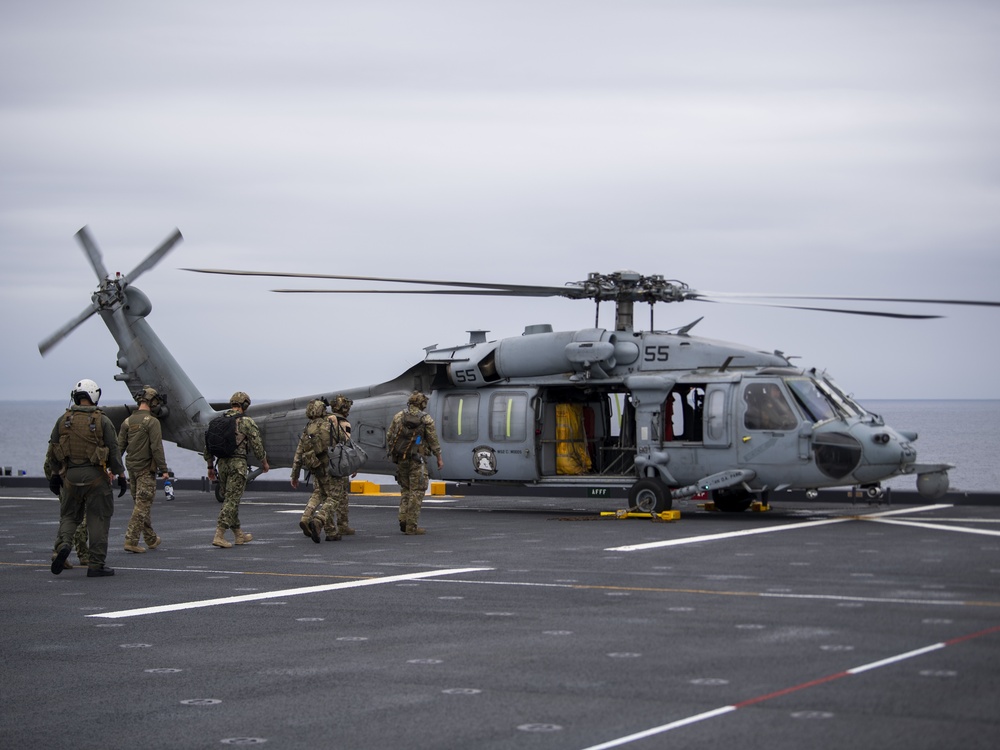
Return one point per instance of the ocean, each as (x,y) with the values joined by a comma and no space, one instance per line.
(963,433)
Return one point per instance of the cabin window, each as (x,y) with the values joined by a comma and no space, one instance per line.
(508,417)
(716,415)
(460,417)
(767,408)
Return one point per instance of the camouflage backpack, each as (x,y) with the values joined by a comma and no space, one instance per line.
(317,437)
(407,440)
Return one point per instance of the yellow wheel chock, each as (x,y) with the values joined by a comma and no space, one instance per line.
(667,515)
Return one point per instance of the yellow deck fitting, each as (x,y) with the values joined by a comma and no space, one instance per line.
(364,487)
(667,515)
(438,488)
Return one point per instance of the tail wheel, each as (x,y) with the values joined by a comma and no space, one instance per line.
(219,495)
(650,495)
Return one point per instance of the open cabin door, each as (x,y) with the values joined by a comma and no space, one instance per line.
(585,433)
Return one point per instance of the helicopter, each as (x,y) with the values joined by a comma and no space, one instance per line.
(667,415)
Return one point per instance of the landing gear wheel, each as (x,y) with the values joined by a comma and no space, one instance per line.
(732,500)
(218,492)
(649,496)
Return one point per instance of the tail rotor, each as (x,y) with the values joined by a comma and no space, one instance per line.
(110,292)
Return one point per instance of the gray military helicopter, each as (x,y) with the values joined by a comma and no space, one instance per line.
(665,414)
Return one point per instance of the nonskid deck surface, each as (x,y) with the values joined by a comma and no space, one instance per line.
(514,622)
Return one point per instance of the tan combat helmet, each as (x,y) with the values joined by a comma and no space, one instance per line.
(240,399)
(341,405)
(417,399)
(315,409)
(148,395)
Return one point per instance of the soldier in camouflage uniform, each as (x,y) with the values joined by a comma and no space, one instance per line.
(232,474)
(341,407)
(80,537)
(84,450)
(412,437)
(312,454)
(141,439)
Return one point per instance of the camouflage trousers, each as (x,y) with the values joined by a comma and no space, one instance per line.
(328,502)
(87,494)
(233,481)
(143,488)
(413,480)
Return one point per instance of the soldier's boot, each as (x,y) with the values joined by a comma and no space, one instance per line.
(334,534)
(402,525)
(342,525)
(315,526)
(412,529)
(59,561)
(304,525)
(242,537)
(153,544)
(66,563)
(100,572)
(307,514)
(132,545)
(220,539)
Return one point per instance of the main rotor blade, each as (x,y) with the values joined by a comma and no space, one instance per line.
(904,300)
(65,331)
(872,313)
(467,292)
(154,257)
(93,253)
(528,289)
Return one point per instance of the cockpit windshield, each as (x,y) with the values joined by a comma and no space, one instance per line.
(816,401)
(848,403)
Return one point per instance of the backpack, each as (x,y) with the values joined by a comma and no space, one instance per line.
(315,441)
(220,437)
(409,435)
(81,438)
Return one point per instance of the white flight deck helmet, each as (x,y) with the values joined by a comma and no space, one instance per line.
(86,388)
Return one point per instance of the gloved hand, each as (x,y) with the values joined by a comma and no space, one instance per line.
(55,484)
(122,485)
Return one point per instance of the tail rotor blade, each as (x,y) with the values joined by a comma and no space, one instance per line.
(93,254)
(65,331)
(154,257)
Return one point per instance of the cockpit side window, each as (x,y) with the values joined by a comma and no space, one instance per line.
(767,408)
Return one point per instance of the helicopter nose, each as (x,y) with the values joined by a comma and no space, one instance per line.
(887,453)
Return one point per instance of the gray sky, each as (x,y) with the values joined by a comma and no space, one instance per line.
(800,146)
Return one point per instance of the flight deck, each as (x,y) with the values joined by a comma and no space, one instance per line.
(515,622)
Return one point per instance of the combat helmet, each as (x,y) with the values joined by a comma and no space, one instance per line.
(240,399)
(315,409)
(88,389)
(341,405)
(149,396)
(417,399)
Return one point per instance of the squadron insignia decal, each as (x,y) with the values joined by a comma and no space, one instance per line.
(484,460)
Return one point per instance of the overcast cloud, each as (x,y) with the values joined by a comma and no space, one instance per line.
(800,146)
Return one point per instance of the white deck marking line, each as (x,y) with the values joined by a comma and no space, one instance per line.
(282,593)
(786,691)
(751,532)
(936,526)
